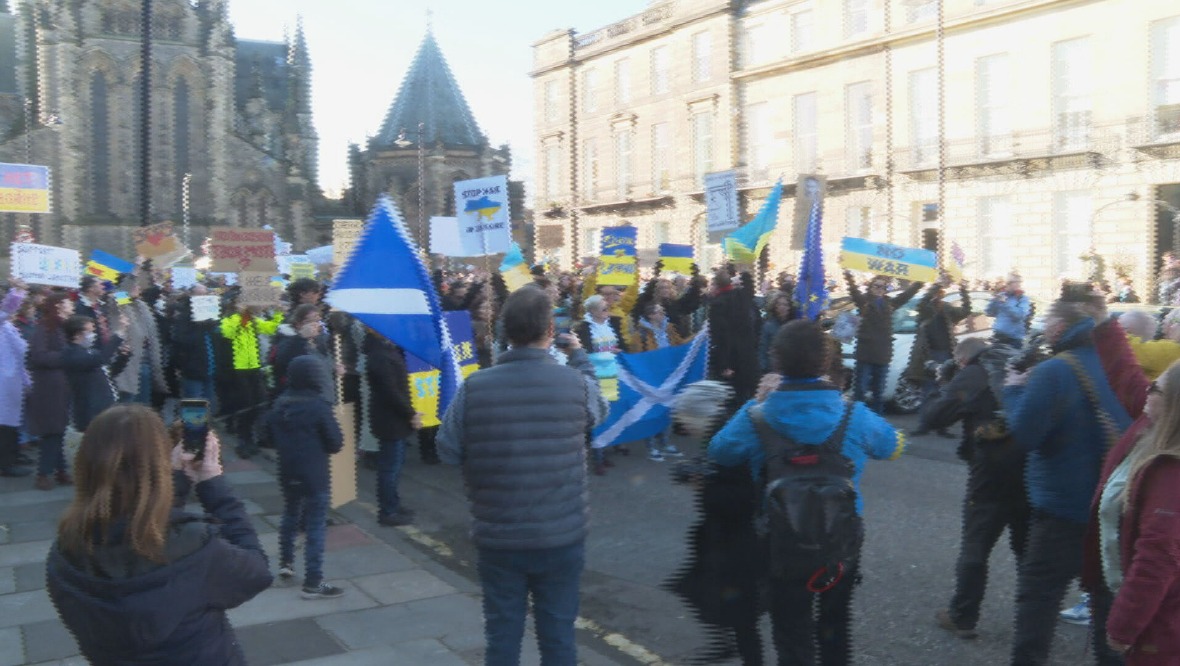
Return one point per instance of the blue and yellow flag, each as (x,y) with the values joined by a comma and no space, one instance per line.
(811,291)
(676,258)
(746,243)
(107,266)
(514,269)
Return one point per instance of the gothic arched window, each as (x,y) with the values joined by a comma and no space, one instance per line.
(100,137)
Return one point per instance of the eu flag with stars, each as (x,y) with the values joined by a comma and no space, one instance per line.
(811,291)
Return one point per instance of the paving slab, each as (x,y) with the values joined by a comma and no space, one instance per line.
(22,553)
(438,618)
(285,642)
(244,477)
(35,530)
(12,651)
(402,586)
(30,576)
(48,641)
(25,607)
(7,580)
(30,497)
(423,651)
(284,603)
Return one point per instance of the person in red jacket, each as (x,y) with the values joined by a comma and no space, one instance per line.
(1140,566)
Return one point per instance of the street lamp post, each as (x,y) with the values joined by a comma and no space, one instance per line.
(403,142)
(185,185)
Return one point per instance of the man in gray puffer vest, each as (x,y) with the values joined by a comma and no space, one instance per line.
(519,430)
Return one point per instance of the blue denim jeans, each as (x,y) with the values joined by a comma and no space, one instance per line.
(553,576)
(52,457)
(198,388)
(870,378)
(309,510)
(390,459)
(144,396)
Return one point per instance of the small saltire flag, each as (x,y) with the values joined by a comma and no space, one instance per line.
(514,269)
(746,243)
(811,290)
(106,266)
(648,385)
(386,286)
(676,258)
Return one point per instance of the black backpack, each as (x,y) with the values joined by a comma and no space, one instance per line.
(809,517)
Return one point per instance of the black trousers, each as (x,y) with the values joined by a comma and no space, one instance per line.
(813,629)
(9,446)
(1051,562)
(249,403)
(984,521)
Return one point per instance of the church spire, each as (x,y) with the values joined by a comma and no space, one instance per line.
(430,96)
(300,62)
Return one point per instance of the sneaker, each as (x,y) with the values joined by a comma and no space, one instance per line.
(655,455)
(322,591)
(671,450)
(1079,614)
(286,572)
(944,620)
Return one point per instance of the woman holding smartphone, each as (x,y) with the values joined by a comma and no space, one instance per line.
(135,580)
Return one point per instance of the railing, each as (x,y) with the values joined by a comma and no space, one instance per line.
(1076,137)
(652,16)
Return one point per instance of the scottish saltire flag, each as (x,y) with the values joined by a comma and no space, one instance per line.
(746,243)
(514,269)
(676,258)
(106,266)
(648,384)
(386,286)
(811,291)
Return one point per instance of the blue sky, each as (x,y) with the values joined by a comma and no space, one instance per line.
(360,51)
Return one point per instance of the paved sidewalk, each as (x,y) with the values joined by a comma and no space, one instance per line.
(400,606)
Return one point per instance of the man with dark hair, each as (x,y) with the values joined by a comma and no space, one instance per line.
(874,336)
(304,291)
(733,333)
(809,411)
(519,429)
(93,303)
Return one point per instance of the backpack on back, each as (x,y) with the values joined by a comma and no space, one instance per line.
(809,515)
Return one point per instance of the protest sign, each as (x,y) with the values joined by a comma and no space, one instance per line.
(721,202)
(808,191)
(183,277)
(445,238)
(24,188)
(206,308)
(858,254)
(47,265)
(424,378)
(242,250)
(320,255)
(158,243)
(550,236)
(618,265)
(481,206)
(258,290)
(345,234)
(289,264)
(342,468)
(230,278)
(302,270)
(122,298)
(676,258)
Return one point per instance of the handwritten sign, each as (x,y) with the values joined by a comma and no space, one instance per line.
(618,265)
(258,290)
(206,308)
(47,265)
(345,234)
(243,250)
(424,378)
(158,243)
(183,277)
(721,201)
(858,254)
(24,188)
(445,238)
(481,206)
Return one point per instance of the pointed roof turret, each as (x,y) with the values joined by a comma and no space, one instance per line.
(299,60)
(429,95)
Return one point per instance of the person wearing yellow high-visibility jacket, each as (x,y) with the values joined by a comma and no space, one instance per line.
(248,396)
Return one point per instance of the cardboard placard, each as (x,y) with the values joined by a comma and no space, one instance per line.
(721,202)
(907,263)
(24,188)
(206,308)
(158,242)
(242,250)
(345,234)
(343,465)
(618,265)
(258,290)
(47,265)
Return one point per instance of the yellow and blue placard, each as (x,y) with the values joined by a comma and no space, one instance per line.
(906,263)
(24,188)
(107,267)
(618,265)
(676,258)
(424,378)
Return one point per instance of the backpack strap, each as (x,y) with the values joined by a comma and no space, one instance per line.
(774,443)
(835,441)
(1110,430)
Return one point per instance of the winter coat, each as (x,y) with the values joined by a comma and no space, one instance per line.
(47,409)
(289,348)
(582,330)
(243,335)
(14,376)
(143,339)
(1126,377)
(1051,417)
(770,327)
(105,306)
(733,335)
(1093,578)
(809,415)
(1146,610)
(1154,356)
(192,353)
(124,610)
(936,330)
(391,408)
(1011,312)
(874,337)
(304,429)
(90,390)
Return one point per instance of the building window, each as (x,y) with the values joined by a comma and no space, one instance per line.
(661,174)
(1165,66)
(1071,230)
(623,164)
(702,145)
(802,30)
(921,10)
(100,138)
(1072,71)
(591,242)
(757,44)
(553,172)
(924,116)
(758,141)
(590,168)
(992,81)
(856,17)
(858,222)
(550,101)
(995,241)
(661,232)
(622,82)
(590,91)
(702,56)
(659,70)
(859,103)
(806,133)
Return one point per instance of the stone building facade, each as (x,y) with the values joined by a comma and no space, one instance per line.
(1053,148)
(234,115)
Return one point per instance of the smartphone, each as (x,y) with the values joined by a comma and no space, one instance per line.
(194,419)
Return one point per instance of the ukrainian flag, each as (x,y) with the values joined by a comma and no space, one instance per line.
(745,244)
(676,258)
(107,266)
(514,269)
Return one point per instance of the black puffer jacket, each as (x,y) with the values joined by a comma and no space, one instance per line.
(303,428)
(391,410)
(874,338)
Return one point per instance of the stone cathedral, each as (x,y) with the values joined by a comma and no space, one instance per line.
(230,116)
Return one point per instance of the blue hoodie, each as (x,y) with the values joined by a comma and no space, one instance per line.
(809,417)
(1051,418)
